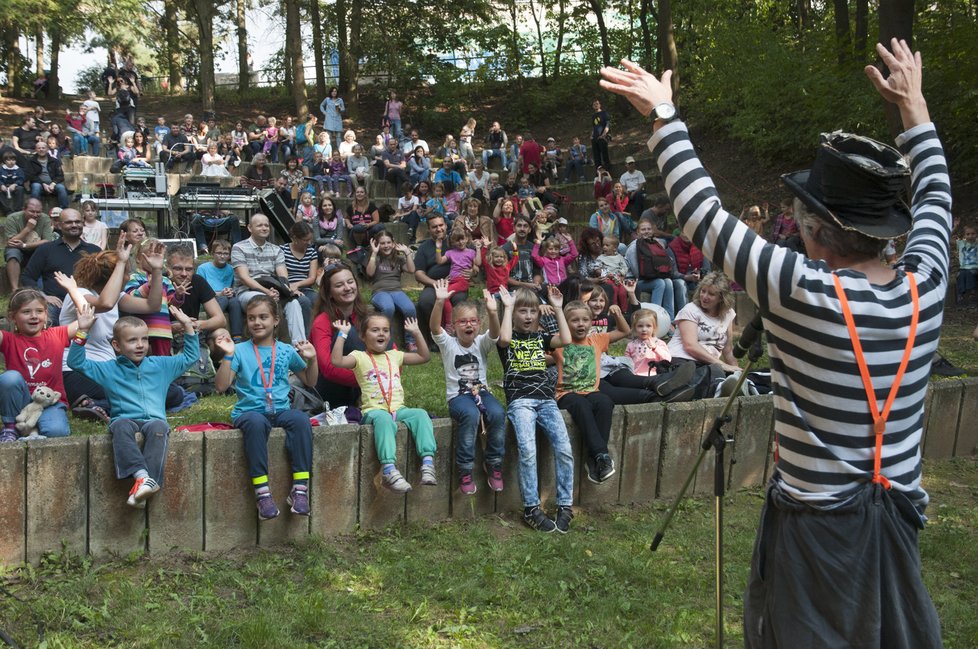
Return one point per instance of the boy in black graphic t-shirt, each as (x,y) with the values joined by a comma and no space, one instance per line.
(530,392)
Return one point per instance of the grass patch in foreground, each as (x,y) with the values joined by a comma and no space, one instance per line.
(488,582)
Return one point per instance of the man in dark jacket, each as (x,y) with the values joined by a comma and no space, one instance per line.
(45,175)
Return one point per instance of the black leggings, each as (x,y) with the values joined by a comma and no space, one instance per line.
(592,414)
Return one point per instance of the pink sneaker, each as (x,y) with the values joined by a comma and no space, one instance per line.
(494,476)
(466,484)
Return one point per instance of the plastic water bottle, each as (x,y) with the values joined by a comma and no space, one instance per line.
(86,190)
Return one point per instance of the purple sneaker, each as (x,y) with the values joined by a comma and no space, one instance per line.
(494,476)
(298,500)
(8,435)
(266,507)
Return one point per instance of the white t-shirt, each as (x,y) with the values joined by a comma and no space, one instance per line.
(404,204)
(479,183)
(98,347)
(92,233)
(712,332)
(632,180)
(464,365)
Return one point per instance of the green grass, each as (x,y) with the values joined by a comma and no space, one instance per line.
(489,582)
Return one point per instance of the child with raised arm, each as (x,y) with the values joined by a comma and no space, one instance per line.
(530,391)
(465,264)
(378,372)
(135,385)
(497,264)
(551,262)
(465,359)
(262,367)
(388,260)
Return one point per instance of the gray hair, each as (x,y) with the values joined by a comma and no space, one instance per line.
(844,243)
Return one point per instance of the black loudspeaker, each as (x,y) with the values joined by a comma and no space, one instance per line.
(279,215)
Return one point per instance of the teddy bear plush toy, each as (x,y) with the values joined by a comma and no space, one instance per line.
(40,399)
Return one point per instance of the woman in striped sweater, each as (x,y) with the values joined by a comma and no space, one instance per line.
(846,334)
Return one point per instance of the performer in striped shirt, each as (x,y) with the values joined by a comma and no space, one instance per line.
(836,561)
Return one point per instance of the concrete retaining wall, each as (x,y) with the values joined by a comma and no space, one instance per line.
(63,494)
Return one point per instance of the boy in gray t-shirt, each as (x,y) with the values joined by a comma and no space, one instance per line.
(465,357)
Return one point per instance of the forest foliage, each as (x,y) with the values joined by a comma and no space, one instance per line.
(772,74)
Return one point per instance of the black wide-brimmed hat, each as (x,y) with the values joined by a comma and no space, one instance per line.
(858,183)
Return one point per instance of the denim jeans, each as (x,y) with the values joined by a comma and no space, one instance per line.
(494,153)
(527,415)
(388,301)
(395,128)
(128,456)
(417,422)
(231,307)
(59,189)
(670,294)
(575,165)
(466,413)
(255,427)
(14,396)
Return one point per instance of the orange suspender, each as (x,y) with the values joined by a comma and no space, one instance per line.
(879,419)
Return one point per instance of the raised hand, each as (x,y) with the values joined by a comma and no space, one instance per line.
(639,87)
(630,285)
(153,256)
(555,297)
(615,311)
(66,282)
(181,288)
(402,248)
(411,325)
(222,340)
(508,299)
(489,300)
(547,310)
(903,85)
(375,246)
(441,289)
(343,326)
(180,316)
(86,316)
(123,250)
(306,350)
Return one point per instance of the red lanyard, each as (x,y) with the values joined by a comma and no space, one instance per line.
(389,395)
(261,370)
(879,418)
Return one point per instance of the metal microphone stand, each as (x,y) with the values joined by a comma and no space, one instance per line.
(716,440)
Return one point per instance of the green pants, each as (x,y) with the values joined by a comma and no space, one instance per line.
(385,431)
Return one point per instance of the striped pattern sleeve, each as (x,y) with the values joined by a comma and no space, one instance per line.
(822,418)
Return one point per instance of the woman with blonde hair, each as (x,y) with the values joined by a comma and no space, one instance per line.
(704,327)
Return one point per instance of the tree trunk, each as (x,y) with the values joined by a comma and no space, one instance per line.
(12,39)
(514,32)
(172,36)
(204,12)
(804,15)
(54,81)
(536,22)
(896,21)
(602,31)
(342,39)
(643,19)
(667,46)
(352,89)
(862,29)
(293,47)
(561,28)
(39,52)
(241,27)
(317,47)
(286,53)
(843,38)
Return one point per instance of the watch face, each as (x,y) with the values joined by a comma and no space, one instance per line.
(665,111)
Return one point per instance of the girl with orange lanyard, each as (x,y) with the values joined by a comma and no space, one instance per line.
(262,367)
(378,372)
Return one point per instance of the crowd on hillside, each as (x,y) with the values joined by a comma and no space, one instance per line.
(125,333)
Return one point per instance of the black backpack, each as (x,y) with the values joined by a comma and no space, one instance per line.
(653,261)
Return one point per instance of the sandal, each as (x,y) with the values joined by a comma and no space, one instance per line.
(85,408)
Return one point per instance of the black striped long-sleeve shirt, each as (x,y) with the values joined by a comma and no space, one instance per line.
(822,420)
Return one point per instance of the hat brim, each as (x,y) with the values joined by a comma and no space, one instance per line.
(894,224)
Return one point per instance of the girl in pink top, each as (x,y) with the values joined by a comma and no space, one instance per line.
(553,264)
(645,349)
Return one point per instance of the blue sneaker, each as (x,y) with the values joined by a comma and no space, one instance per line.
(266,507)
(298,500)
